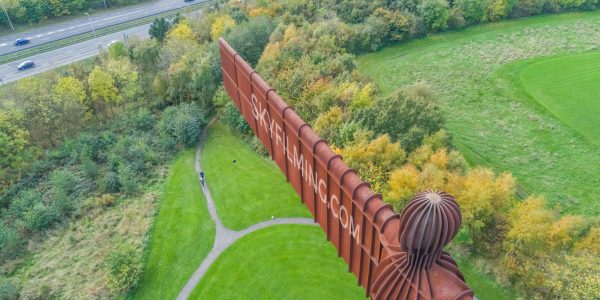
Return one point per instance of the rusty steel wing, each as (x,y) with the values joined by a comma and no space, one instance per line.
(394,256)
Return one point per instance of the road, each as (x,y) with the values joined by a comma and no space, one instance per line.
(64,56)
(82,24)
(60,57)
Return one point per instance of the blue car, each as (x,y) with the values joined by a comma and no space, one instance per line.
(21,41)
(26,65)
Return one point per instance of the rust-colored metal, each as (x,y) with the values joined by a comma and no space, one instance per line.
(394,256)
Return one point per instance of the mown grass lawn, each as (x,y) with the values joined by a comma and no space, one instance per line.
(251,190)
(280,262)
(568,86)
(494,120)
(183,234)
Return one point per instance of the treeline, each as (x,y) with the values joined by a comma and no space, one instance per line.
(35,11)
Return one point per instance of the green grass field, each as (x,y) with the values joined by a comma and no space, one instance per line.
(497,120)
(182,236)
(568,86)
(280,262)
(252,190)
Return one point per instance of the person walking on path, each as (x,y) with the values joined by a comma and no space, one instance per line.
(202,179)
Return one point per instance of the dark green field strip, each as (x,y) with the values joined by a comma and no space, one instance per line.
(22,54)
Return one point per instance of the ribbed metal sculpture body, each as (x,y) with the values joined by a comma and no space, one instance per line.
(394,256)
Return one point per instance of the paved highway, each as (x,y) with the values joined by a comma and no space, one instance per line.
(81,24)
(64,56)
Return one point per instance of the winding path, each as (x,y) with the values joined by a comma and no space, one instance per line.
(224,237)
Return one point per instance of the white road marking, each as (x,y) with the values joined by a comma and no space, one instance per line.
(3,44)
(39,35)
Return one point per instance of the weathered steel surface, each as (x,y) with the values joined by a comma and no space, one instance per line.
(393,256)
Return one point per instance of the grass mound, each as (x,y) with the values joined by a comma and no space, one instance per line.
(280,262)
(182,236)
(568,87)
(251,190)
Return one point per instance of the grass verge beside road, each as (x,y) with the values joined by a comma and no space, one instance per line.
(280,262)
(183,234)
(240,190)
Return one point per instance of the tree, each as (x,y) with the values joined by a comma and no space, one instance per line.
(102,90)
(399,25)
(182,123)
(434,13)
(402,185)
(375,159)
(125,76)
(145,55)
(39,110)
(472,10)
(69,94)
(537,242)
(406,116)
(328,125)
(220,26)
(182,31)
(249,38)
(118,50)
(159,28)
(499,9)
(14,153)
(484,200)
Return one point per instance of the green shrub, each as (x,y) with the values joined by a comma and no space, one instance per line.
(111,182)
(472,10)
(182,122)
(105,200)
(39,217)
(456,19)
(127,179)
(64,190)
(118,50)
(354,11)
(398,25)
(9,289)
(406,116)
(434,13)
(249,38)
(528,8)
(11,243)
(124,268)
(499,9)
(23,202)
(232,117)
(368,36)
